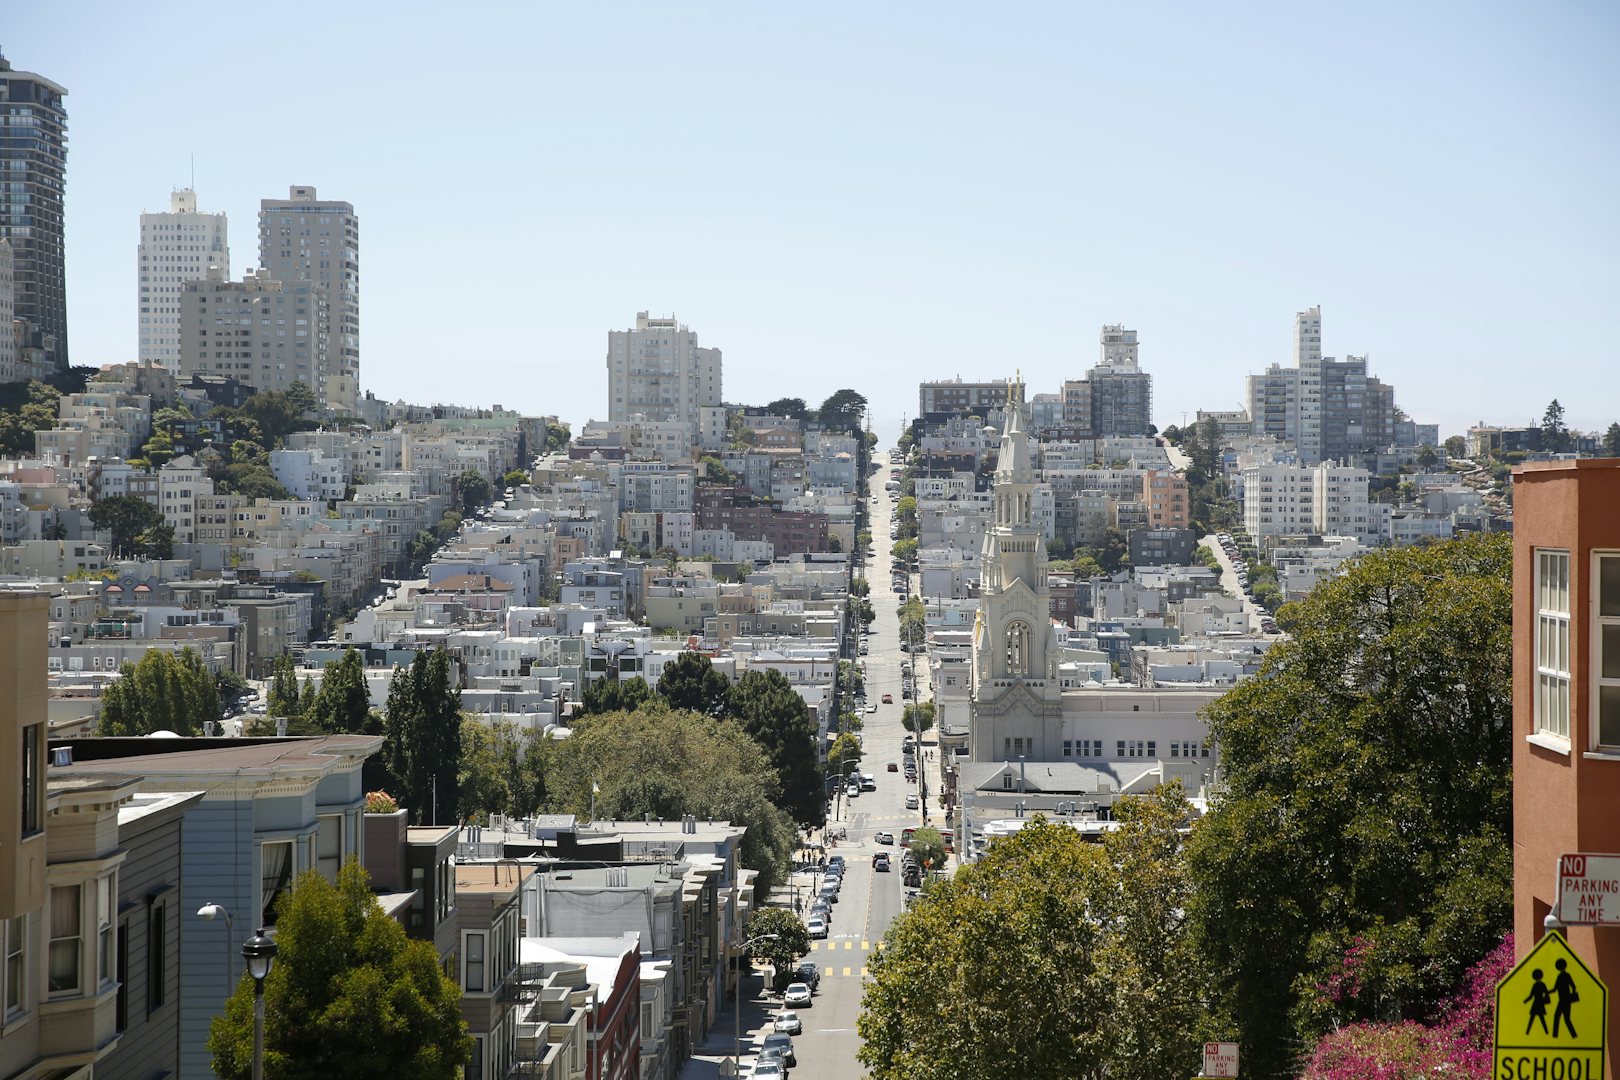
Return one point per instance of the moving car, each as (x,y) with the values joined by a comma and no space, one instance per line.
(807,973)
(871,708)
(880,862)
(818,929)
(888,699)
(797,994)
(894,766)
(836,862)
(911,802)
(853,791)
(883,838)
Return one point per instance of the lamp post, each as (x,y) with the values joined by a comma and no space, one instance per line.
(260,953)
(211,912)
(736,1030)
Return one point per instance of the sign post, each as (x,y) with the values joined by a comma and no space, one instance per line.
(1220,1060)
(1589,890)
(1551,1015)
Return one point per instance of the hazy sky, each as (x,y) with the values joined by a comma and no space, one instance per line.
(867,195)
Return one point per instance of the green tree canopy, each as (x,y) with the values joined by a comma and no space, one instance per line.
(614,695)
(282,699)
(473,490)
(842,412)
(349,995)
(422,753)
(1456,446)
(163,692)
(1555,436)
(342,706)
(515,478)
(918,717)
(668,763)
(775,716)
(690,682)
(929,848)
(1611,441)
(789,406)
(128,518)
(502,769)
(792,941)
(558,436)
(1368,798)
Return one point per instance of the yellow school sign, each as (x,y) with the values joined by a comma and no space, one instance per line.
(1550,1017)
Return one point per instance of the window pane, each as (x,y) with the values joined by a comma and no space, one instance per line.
(64,958)
(1609,585)
(1609,715)
(1611,652)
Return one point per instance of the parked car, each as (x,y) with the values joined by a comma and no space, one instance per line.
(808,973)
(853,791)
(781,1042)
(818,929)
(883,838)
(788,1023)
(911,802)
(768,1070)
(836,861)
(797,994)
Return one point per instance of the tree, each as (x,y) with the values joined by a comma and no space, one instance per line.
(515,478)
(690,682)
(349,995)
(929,848)
(792,941)
(1114,554)
(422,752)
(1554,435)
(501,769)
(1427,456)
(342,706)
(904,551)
(282,699)
(1611,441)
(276,413)
(668,763)
(714,469)
(994,973)
(162,692)
(611,694)
(1368,797)
(128,518)
(558,436)
(842,412)
(775,716)
(842,752)
(789,406)
(918,717)
(473,490)
(1086,566)
(1456,446)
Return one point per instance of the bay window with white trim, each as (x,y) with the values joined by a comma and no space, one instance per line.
(1552,643)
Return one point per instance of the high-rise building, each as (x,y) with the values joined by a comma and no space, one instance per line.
(1329,409)
(33,159)
(657,371)
(176,247)
(260,331)
(305,239)
(10,371)
(1115,397)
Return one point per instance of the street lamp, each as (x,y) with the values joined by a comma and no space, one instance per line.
(736,1030)
(260,954)
(211,912)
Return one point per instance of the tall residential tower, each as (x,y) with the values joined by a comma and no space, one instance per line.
(176,247)
(306,239)
(33,159)
(657,371)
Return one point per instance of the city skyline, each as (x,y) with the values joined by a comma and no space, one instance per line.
(876,203)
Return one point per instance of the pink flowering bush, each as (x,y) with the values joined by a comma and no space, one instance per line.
(1456,1045)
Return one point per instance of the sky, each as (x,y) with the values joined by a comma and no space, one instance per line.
(870,195)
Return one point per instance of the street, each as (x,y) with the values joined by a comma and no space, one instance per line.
(869,901)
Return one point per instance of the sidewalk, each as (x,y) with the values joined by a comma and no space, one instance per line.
(711,1058)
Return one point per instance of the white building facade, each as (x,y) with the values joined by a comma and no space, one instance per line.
(657,370)
(176,246)
(307,240)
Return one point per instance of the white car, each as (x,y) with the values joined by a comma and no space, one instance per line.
(818,929)
(797,995)
(911,802)
(768,1070)
(788,1023)
(871,709)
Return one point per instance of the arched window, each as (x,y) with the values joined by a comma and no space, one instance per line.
(1018,648)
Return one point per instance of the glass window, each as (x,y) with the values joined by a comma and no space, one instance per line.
(15,971)
(1552,642)
(121,1013)
(329,845)
(65,944)
(157,958)
(473,962)
(33,788)
(1606,639)
(275,878)
(105,900)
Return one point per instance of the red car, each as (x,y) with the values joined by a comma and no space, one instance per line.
(894,767)
(888,699)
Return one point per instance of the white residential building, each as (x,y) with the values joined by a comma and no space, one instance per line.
(176,246)
(1278,500)
(657,370)
(1340,503)
(180,482)
(309,474)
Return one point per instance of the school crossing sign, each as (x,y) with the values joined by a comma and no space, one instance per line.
(1550,1017)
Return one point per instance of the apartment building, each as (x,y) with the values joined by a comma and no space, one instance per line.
(1329,409)
(261,331)
(309,243)
(658,372)
(176,246)
(31,206)
(10,369)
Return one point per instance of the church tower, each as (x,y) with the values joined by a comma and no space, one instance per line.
(1017,703)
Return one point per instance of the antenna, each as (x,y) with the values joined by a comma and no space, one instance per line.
(193,170)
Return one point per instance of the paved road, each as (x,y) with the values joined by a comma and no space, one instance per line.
(869,901)
(1231,585)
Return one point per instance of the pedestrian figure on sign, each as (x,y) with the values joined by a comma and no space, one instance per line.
(1539,996)
(1564,988)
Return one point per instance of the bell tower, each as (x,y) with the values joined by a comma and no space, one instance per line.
(1017,704)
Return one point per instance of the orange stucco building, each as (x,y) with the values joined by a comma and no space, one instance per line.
(1566,696)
